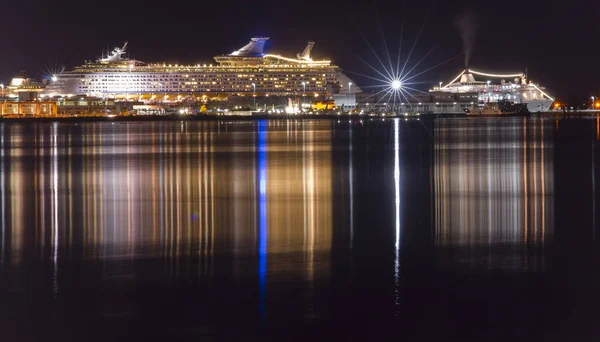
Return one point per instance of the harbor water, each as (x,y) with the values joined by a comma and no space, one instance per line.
(461,229)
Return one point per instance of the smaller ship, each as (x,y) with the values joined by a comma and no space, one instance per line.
(500,108)
(512,87)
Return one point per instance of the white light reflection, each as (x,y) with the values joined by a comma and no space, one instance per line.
(494,192)
(397,202)
(593,193)
(351,181)
(55,206)
(490,175)
(2,193)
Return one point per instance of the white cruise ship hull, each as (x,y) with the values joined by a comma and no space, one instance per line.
(538,105)
(246,72)
(513,88)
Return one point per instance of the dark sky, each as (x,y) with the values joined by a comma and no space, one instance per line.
(556,41)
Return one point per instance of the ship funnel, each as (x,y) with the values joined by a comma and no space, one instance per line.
(523,79)
(253,48)
(467,77)
(305,55)
(116,54)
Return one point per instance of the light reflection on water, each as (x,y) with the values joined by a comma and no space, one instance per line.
(296,216)
(117,195)
(493,185)
(131,190)
(494,189)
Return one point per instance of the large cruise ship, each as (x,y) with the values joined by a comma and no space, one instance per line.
(512,87)
(245,72)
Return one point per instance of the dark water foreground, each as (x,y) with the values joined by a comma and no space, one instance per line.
(453,230)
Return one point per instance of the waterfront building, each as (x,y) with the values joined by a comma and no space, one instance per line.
(94,106)
(28,108)
(415,102)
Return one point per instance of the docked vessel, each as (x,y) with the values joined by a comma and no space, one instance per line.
(487,110)
(500,108)
(512,88)
(245,72)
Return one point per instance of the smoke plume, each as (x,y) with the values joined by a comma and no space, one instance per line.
(466,24)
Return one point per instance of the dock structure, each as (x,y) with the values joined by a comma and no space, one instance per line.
(28,108)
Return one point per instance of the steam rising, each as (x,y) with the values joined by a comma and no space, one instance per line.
(466,24)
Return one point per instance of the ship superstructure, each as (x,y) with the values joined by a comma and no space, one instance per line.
(512,88)
(246,71)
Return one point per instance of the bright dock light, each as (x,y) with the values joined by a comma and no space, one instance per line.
(396,84)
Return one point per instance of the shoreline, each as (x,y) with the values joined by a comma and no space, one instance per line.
(209,117)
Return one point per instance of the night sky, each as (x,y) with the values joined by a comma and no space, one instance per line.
(555,41)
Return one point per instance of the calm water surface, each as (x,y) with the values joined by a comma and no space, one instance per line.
(456,229)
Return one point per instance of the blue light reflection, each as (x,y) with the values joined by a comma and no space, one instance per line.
(262,215)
